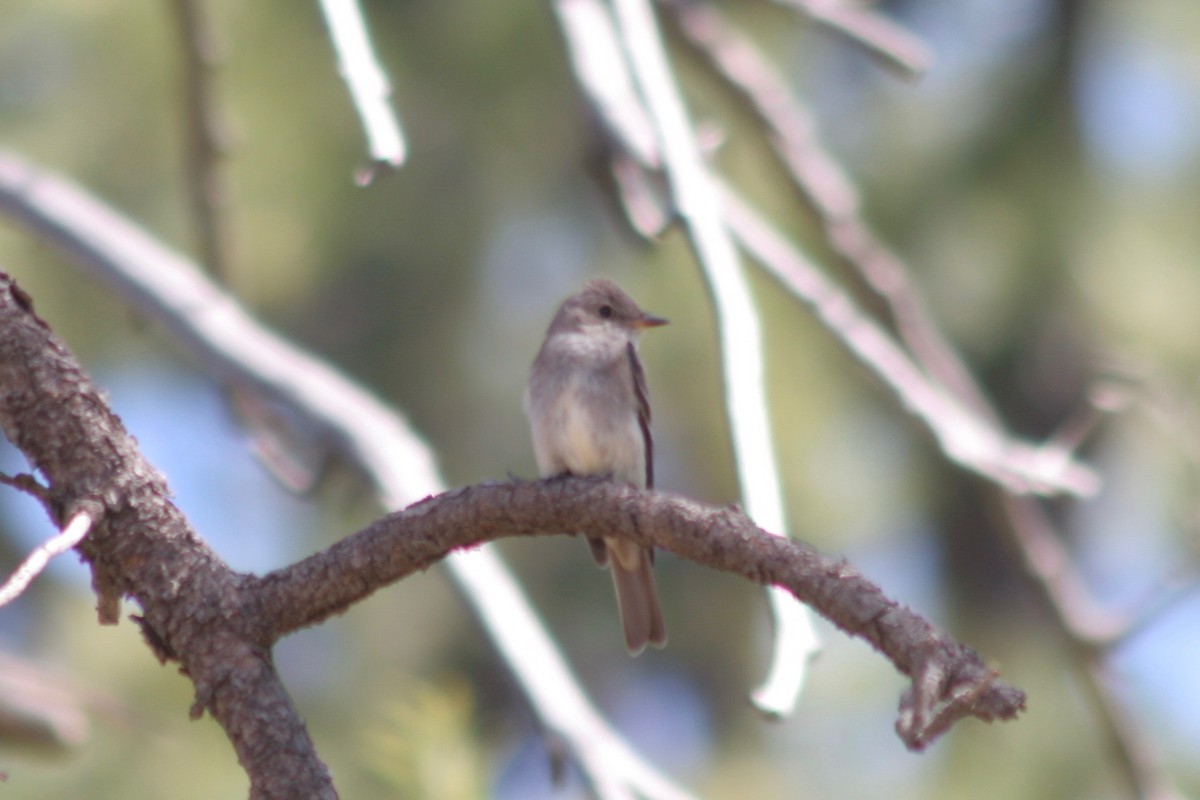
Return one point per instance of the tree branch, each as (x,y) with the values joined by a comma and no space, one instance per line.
(949,680)
(1091,635)
(141,546)
(31,567)
(824,186)
(870,30)
(368,85)
(968,438)
(205,134)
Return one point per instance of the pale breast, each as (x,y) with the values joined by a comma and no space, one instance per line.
(590,428)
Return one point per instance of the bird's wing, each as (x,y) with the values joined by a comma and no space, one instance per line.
(642,396)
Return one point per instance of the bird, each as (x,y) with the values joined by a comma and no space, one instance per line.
(589,411)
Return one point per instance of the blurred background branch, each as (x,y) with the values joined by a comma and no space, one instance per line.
(966,437)
(870,30)
(368,86)
(206,135)
(698,204)
(824,186)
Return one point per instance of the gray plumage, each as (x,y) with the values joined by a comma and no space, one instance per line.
(590,414)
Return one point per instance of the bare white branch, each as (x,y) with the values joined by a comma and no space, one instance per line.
(964,436)
(368,85)
(698,202)
(32,566)
(599,65)
(612,768)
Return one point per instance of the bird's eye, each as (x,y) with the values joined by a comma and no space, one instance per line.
(606,311)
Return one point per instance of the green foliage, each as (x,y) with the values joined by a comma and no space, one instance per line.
(425,744)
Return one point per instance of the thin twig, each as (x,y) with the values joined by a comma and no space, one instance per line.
(626,153)
(825,187)
(699,206)
(29,484)
(869,30)
(368,85)
(206,136)
(1091,634)
(1048,562)
(33,565)
(600,67)
(964,437)
(356,426)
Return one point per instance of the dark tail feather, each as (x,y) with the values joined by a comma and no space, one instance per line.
(637,600)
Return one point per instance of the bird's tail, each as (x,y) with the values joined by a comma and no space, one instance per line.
(637,598)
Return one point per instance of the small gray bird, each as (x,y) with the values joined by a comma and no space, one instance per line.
(590,413)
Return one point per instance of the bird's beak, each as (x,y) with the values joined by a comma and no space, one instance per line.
(649,321)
